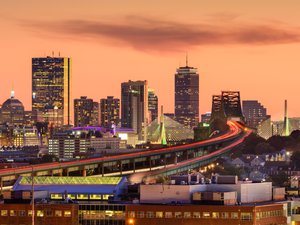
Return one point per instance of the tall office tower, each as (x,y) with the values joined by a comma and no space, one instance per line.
(152,105)
(86,112)
(110,111)
(187,96)
(51,90)
(254,113)
(134,107)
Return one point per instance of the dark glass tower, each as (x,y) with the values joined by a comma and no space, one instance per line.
(187,96)
(134,106)
(51,89)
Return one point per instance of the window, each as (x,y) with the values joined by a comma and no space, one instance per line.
(67,213)
(159,214)
(246,216)
(234,215)
(225,215)
(178,214)
(131,214)
(4,213)
(215,215)
(187,215)
(206,214)
(12,212)
(140,214)
(40,213)
(58,213)
(22,213)
(196,215)
(168,214)
(150,214)
(29,213)
(82,197)
(49,213)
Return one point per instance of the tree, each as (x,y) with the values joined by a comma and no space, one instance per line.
(280,179)
(48,158)
(263,147)
(295,158)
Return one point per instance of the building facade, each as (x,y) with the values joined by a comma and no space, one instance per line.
(152,105)
(134,107)
(86,112)
(110,111)
(12,112)
(254,113)
(187,96)
(51,89)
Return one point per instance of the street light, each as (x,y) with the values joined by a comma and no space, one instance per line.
(131,221)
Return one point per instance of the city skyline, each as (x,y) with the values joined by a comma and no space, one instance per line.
(256,49)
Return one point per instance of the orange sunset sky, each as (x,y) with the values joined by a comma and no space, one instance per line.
(252,46)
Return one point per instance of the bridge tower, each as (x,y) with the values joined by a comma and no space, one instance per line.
(286,127)
(232,105)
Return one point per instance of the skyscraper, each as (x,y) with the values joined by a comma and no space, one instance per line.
(152,105)
(51,89)
(187,96)
(86,112)
(134,106)
(110,111)
(254,113)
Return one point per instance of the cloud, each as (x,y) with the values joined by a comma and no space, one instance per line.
(148,34)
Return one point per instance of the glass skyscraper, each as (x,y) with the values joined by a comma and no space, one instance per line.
(187,96)
(134,107)
(51,90)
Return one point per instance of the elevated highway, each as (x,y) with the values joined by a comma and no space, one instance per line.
(164,160)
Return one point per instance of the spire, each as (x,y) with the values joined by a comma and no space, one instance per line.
(187,60)
(12,93)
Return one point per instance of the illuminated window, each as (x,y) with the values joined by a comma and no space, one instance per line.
(206,214)
(56,196)
(105,197)
(196,215)
(95,197)
(159,214)
(168,214)
(40,213)
(29,213)
(82,197)
(12,212)
(178,214)
(234,215)
(215,215)
(4,213)
(67,213)
(187,215)
(58,213)
(246,216)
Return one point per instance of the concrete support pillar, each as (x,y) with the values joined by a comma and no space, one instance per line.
(84,172)
(133,166)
